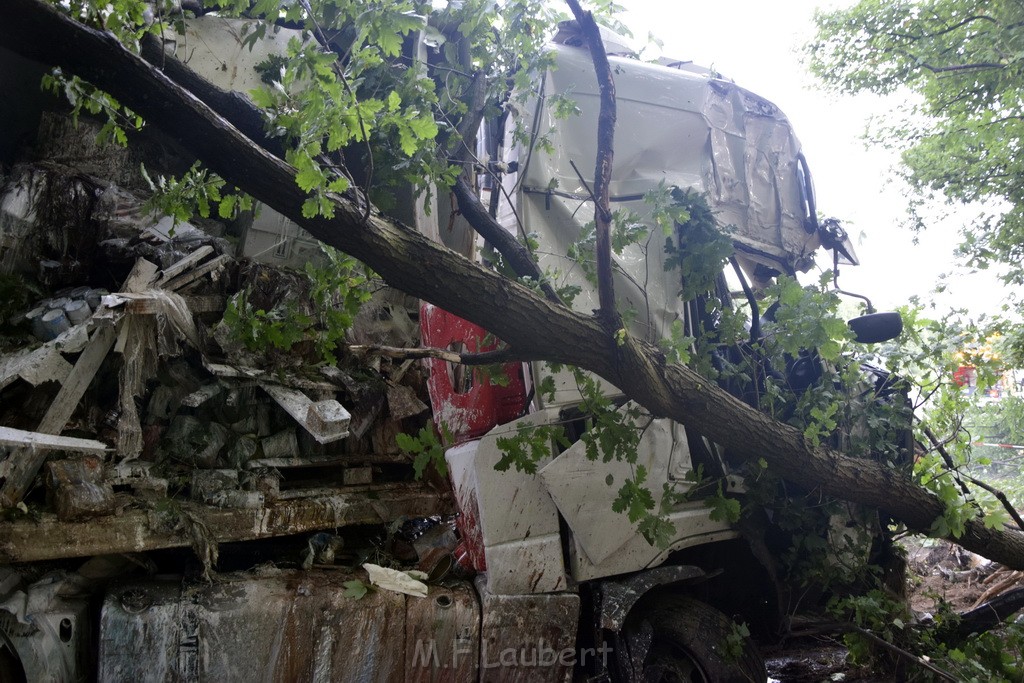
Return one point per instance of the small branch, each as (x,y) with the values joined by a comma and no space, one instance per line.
(1002,499)
(946,458)
(483,358)
(841,627)
(583,181)
(603,164)
(941,449)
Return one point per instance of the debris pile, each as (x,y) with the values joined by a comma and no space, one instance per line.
(148,363)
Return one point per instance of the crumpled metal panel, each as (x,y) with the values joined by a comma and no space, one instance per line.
(47,625)
(675,127)
(510,513)
(221,49)
(605,542)
(280,626)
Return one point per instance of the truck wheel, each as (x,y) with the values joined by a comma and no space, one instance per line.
(686,641)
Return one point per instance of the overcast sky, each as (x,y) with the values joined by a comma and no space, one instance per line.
(756,43)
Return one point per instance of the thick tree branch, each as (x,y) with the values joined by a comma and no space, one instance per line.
(602,166)
(508,246)
(535,327)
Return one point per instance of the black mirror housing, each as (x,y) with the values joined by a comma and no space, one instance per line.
(876,327)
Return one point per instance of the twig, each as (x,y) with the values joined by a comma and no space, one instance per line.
(583,181)
(842,627)
(1002,499)
(481,358)
(941,449)
(1000,496)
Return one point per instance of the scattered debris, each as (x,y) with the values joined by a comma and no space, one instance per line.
(125,371)
(409,583)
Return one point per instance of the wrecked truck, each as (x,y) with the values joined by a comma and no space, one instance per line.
(520,576)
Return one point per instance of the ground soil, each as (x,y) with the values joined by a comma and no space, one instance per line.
(936,571)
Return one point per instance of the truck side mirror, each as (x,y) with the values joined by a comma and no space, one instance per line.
(876,327)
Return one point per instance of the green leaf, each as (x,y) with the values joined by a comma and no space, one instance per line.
(309,177)
(310,208)
(226,209)
(355,589)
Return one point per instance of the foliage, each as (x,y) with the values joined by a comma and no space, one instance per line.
(528,447)
(356,589)
(260,330)
(195,192)
(337,288)
(930,354)
(701,247)
(84,97)
(961,134)
(991,656)
(425,449)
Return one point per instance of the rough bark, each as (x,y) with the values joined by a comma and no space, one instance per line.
(602,164)
(515,253)
(534,327)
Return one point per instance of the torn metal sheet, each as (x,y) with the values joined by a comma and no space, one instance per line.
(618,597)
(45,364)
(48,626)
(605,542)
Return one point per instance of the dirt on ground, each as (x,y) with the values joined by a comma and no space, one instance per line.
(936,571)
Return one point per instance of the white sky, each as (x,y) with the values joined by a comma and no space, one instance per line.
(755,43)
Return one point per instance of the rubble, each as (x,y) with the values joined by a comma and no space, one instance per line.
(132,399)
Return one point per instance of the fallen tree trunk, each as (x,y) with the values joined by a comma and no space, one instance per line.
(411,262)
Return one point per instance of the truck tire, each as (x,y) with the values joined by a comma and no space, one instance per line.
(689,643)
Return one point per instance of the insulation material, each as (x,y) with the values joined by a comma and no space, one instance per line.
(171,323)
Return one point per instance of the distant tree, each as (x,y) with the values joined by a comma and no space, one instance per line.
(961,135)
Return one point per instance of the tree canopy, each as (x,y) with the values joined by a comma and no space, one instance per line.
(960,132)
